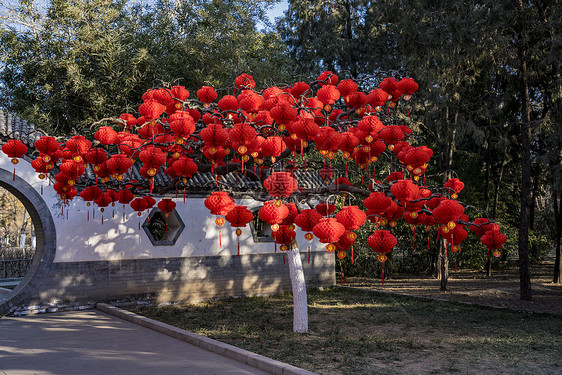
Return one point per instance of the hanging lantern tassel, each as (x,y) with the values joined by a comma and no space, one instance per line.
(220,222)
(341,275)
(352,261)
(382,258)
(238,233)
(283,256)
(308,254)
(455,264)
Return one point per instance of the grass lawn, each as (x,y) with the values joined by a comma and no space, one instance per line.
(361,332)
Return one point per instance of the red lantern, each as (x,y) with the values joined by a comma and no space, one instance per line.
(284,236)
(14,149)
(455,185)
(448,212)
(273,212)
(243,134)
(166,205)
(351,217)
(149,201)
(280,184)
(328,95)
(418,156)
(228,103)
(307,219)
(78,145)
(47,145)
(91,193)
(328,230)
(182,127)
(305,129)
(105,135)
(404,190)
(389,85)
(377,202)
(346,87)
(245,81)
(391,135)
(151,109)
(481,225)
(327,78)
(325,209)
(207,94)
(407,86)
(184,167)
(239,217)
(118,165)
(125,196)
(382,242)
(273,147)
(493,239)
(214,135)
(219,202)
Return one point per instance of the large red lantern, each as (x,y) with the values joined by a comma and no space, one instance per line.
(382,241)
(493,239)
(377,202)
(207,94)
(219,202)
(166,206)
(328,230)
(280,184)
(105,135)
(448,212)
(481,225)
(325,209)
(214,135)
(273,147)
(273,213)
(404,191)
(351,217)
(118,165)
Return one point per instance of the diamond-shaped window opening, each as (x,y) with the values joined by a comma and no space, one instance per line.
(261,231)
(162,230)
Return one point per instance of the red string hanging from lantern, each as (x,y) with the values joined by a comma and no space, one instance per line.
(382,242)
(306,220)
(139,205)
(220,203)
(239,217)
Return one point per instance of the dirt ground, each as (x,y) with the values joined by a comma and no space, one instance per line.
(500,290)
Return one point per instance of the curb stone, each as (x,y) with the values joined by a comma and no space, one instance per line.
(240,355)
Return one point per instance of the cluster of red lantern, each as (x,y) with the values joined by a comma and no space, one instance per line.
(173,133)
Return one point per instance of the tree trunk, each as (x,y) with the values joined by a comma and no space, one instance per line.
(534,193)
(300,303)
(443,264)
(497,190)
(525,139)
(487,180)
(557,198)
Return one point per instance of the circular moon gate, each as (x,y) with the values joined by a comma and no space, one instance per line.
(46,241)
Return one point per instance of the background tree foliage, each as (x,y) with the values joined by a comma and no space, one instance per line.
(74,62)
(478,101)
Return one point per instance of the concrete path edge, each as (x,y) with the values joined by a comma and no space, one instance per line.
(230,351)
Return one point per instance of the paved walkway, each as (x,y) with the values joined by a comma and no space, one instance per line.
(92,342)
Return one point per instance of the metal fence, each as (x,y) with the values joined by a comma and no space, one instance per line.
(14,262)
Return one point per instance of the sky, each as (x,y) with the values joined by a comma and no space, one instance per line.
(277,10)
